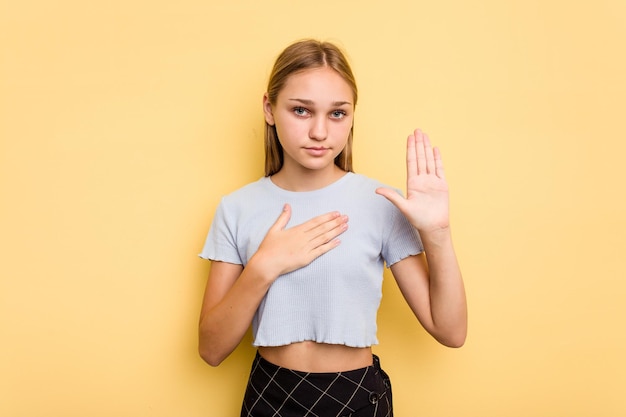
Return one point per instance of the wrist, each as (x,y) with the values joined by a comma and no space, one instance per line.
(441,236)
(262,268)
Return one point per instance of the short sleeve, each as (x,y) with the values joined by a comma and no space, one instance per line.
(402,241)
(221,242)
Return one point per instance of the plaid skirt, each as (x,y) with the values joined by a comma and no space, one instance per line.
(280,392)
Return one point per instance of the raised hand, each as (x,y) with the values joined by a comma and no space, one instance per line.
(426,205)
(285,250)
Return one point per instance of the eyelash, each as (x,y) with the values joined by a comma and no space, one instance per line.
(336,114)
(298,111)
(341,113)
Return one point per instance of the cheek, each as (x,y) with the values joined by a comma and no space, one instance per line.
(288,128)
(342,130)
(287,133)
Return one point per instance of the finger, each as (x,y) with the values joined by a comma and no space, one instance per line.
(439,170)
(330,232)
(420,152)
(411,156)
(328,229)
(391,195)
(318,251)
(283,219)
(430,157)
(318,221)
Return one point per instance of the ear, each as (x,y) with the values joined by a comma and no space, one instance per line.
(267,110)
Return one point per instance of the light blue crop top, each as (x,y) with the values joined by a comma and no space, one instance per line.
(336,297)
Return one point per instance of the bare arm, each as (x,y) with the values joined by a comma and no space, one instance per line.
(433,287)
(233,293)
(432,283)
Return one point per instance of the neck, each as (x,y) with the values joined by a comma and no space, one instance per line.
(306,180)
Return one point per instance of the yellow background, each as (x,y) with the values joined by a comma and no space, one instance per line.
(123,122)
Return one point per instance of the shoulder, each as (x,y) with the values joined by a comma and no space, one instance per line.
(365,181)
(363,185)
(248,192)
(255,201)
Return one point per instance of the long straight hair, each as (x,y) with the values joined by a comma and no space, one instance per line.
(301,56)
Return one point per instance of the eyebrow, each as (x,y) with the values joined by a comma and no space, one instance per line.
(311,102)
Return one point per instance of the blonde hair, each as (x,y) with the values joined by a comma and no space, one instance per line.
(300,56)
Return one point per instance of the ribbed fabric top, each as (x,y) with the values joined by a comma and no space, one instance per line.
(335,298)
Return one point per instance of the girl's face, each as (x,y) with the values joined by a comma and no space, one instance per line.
(313,116)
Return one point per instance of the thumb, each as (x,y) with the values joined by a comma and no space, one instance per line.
(391,195)
(283,219)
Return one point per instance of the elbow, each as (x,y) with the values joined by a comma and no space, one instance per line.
(454,339)
(210,356)
(213,347)
(209,351)
(208,347)
(455,343)
(452,334)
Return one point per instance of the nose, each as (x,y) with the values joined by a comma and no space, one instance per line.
(318,129)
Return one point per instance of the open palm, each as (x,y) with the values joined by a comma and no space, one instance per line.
(426,205)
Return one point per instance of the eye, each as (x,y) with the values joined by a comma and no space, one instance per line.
(338,114)
(300,111)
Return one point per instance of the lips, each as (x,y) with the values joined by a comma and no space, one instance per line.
(317,151)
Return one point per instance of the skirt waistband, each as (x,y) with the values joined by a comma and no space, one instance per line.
(269,365)
(280,392)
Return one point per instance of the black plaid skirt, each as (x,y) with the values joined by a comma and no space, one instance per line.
(280,392)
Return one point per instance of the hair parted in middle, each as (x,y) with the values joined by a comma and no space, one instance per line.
(300,56)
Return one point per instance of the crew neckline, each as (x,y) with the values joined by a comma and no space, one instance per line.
(333,184)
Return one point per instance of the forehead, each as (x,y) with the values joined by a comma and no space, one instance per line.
(318,84)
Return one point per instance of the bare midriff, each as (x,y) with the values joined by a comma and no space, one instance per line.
(317,357)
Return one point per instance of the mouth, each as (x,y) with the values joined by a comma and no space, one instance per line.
(316,150)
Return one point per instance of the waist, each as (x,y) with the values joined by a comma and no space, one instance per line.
(317,357)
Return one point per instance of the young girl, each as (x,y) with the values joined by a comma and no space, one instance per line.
(299,253)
